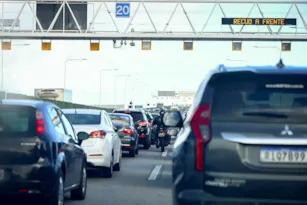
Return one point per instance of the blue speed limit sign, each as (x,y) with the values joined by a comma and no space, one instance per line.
(123,10)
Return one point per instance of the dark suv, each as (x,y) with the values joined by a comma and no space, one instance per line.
(142,125)
(244,139)
(40,153)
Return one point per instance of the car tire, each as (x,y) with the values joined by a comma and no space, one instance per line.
(57,195)
(80,192)
(147,143)
(132,152)
(108,171)
(116,167)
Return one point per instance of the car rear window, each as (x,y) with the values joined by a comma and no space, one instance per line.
(137,116)
(248,97)
(149,117)
(17,120)
(84,119)
(120,119)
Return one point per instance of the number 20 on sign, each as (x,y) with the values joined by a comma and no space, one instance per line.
(122,10)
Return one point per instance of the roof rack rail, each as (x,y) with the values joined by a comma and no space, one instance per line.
(222,68)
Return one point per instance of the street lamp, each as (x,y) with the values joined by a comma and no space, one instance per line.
(118,76)
(136,80)
(233,60)
(65,68)
(270,47)
(2,63)
(100,87)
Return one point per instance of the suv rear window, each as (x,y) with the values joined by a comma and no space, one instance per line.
(137,116)
(247,97)
(120,119)
(17,120)
(83,119)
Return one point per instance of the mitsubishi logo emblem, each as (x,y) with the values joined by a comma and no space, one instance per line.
(286,131)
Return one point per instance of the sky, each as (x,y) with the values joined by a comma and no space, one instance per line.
(166,67)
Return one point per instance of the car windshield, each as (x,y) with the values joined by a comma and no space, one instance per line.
(120,119)
(83,119)
(17,121)
(265,98)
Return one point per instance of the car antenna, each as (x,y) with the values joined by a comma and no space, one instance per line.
(280,64)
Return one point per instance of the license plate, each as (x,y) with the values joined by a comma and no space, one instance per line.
(161,134)
(1,174)
(283,155)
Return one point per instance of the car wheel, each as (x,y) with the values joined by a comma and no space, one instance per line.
(132,152)
(116,167)
(147,143)
(80,192)
(137,149)
(57,195)
(108,171)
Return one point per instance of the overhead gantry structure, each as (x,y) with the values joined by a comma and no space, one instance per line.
(152,20)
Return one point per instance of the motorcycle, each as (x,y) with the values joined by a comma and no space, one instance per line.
(162,141)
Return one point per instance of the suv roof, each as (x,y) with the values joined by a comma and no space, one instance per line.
(31,103)
(262,69)
(131,110)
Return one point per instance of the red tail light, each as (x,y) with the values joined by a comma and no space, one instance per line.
(150,123)
(143,123)
(98,134)
(200,124)
(128,132)
(40,128)
(161,131)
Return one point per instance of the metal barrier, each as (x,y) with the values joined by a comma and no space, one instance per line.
(61,104)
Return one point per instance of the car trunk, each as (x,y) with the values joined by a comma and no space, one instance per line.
(88,129)
(259,136)
(19,143)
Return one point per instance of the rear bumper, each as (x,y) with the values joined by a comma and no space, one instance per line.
(14,184)
(200,197)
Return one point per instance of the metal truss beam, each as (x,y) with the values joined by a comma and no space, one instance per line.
(128,31)
(155,36)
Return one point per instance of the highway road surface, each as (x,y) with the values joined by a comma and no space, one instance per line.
(143,180)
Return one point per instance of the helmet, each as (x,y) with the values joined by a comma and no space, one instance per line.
(162,112)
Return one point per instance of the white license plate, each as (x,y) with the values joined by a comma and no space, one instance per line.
(283,155)
(1,174)
(161,134)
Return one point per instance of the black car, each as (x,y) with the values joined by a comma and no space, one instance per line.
(150,120)
(244,139)
(141,123)
(40,153)
(126,131)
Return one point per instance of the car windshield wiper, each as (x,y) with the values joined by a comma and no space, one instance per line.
(265,114)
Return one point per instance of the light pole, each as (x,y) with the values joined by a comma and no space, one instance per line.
(232,60)
(271,47)
(2,64)
(136,80)
(65,67)
(100,87)
(118,76)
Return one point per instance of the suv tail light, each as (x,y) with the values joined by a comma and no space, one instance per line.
(40,124)
(142,123)
(200,124)
(98,134)
(128,132)
(161,131)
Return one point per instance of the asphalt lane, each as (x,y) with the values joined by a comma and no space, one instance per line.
(143,180)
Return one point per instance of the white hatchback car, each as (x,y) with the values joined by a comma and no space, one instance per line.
(103,148)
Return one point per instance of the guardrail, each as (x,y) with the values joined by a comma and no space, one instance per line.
(61,104)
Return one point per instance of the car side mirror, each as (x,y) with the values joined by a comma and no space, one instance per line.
(115,129)
(82,136)
(172,119)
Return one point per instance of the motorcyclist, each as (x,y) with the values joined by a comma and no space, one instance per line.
(158,123)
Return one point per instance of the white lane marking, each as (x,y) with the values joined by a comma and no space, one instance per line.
(164,154)
(155,172)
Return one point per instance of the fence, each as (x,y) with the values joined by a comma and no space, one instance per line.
(61,104)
